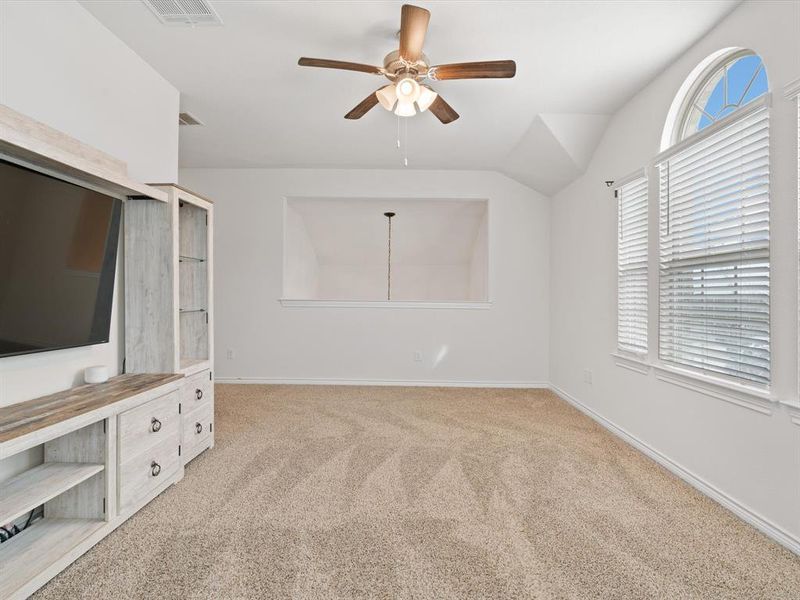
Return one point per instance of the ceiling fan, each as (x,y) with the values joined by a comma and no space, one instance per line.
(408,68)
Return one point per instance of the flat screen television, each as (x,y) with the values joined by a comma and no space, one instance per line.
(58,255)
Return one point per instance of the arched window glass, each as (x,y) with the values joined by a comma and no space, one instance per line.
(740,79)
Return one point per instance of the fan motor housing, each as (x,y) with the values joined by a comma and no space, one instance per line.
(395,66)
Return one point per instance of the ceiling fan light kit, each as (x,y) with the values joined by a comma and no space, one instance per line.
(387,96)
(408,67)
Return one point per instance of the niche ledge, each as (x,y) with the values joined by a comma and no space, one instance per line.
(296,303)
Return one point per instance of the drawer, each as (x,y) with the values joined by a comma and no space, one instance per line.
(140,475)
(198,427)
(146,426)
(197,390)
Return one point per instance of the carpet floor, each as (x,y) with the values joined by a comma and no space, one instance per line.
(357,492)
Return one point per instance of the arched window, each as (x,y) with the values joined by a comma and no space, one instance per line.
(724,82)
(714,243)
(740,79)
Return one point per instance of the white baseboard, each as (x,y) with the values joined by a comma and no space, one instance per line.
(388,382)
(745,513)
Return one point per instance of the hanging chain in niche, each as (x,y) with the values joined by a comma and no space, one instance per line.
(389,216)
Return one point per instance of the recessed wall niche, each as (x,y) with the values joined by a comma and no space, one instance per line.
(338,249)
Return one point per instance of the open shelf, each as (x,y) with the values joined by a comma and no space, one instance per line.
(47,541)
(190,366)
(36,486)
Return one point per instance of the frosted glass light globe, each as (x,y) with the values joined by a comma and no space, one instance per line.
(407,90)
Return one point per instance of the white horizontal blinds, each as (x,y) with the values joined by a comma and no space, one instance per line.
(632,266)
(714,252)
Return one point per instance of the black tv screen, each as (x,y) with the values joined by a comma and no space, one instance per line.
(58,254)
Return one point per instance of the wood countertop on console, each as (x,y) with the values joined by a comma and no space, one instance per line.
(30,416)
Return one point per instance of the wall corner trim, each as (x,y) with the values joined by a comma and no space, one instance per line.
(748,515)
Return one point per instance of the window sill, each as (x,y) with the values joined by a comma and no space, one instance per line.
(632,362)
(755,399)
(292,303)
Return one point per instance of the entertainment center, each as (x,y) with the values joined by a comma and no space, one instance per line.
(110,448)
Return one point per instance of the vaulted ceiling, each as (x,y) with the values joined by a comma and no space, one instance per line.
(577,63)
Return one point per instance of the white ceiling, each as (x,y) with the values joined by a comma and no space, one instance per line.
(577,63)
(354,231)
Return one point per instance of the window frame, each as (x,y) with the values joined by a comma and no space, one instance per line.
(755,388)
(684,112)
(792,94)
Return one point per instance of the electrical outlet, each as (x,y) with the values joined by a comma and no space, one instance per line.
(587,376)
(417,356)
(229,354)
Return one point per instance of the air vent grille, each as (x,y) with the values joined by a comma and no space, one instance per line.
(186,118)
(184,12)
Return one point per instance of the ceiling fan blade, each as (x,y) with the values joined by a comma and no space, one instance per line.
(363,107)
(443,111)
(413,27)
(489,69)
(339,64)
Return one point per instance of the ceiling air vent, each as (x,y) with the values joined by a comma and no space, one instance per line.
(186,118)
(184,12)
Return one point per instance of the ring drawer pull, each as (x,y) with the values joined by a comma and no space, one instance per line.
(198,427)
(155,468)
(198,393)
(155,425)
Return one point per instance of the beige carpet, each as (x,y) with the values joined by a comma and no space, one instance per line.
(323,492)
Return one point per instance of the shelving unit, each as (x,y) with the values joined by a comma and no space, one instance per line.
(169,312)
(74,491)
(169,250)
(193,278)
(66,494)
(81,492)
(36,486)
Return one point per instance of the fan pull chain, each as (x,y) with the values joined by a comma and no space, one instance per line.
(405,143)
(398,132)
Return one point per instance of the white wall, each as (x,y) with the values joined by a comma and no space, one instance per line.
(506,343)
(478,266)
(751,459)
(59,65)
(301,267)
(415,283)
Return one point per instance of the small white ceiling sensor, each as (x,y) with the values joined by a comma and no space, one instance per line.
(184,12)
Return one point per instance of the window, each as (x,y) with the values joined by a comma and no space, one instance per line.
(738,80)
(714,261)
(632,266)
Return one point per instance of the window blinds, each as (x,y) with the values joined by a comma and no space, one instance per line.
(714,251)
(632,266)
